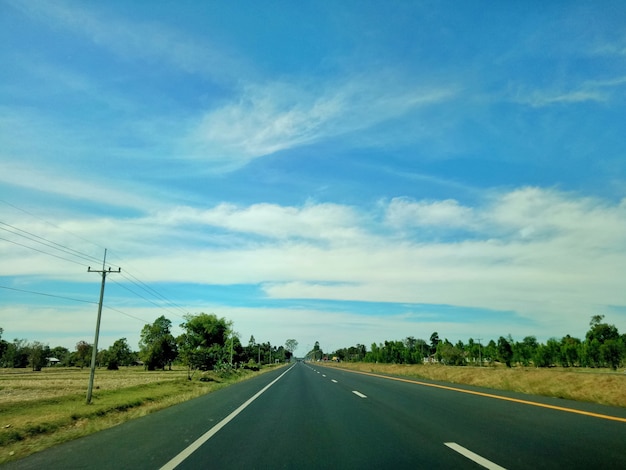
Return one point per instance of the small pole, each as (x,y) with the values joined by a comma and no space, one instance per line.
(94,352)
(232,338)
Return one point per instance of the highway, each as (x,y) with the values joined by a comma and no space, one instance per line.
(308,416)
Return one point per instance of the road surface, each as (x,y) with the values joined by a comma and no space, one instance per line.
(307,416)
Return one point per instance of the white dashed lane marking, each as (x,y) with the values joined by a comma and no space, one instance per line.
(473,457)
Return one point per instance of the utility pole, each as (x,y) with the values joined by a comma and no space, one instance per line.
(480,359)
(94,352)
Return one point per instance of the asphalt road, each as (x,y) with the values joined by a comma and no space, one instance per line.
(307,416)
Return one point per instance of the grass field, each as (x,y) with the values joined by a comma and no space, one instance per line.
(588,385)
(41,409)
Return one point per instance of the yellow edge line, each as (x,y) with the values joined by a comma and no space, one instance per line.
(489,395)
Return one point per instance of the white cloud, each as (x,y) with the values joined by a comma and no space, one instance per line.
(313,221)
(599,91)
(276,116)
(442,214)
(49,180)
(544,254)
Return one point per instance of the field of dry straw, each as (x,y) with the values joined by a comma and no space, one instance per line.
(588,385)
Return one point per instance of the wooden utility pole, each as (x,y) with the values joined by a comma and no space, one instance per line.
(94,352)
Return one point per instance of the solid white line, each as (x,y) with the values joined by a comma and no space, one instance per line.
(474,457)
(172,464)
(359,394)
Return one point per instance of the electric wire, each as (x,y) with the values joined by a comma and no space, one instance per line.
(150,290)
(145,298)
(41,251)
(49,223)
(72,252)
(49,295)
(48,243)
(126,314)
(75,300)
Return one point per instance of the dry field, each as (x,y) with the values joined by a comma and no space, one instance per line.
(41,409)
(24,385)
(588,385)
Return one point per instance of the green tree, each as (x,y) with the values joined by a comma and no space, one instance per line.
(603,346)
(291,345)
(434,341)
(570,351)
(473,351)
(374,354)
(82,357)
(611,353)
(316,354)
(490,351)
(3,348)
(16,354)
(119,354)
(524,351)
(421,350)
(600,330)
(549,354)
(38,354)
(505,351)
(203,345)
(449,354)
(157,345)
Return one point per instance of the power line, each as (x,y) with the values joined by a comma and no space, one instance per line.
(48,243)
(153,292)
(41,251)
(145,298)
(126,314)
(48,295)
(49,223)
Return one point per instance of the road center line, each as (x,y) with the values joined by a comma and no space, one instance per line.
(172,464)
(473,457)
(359,394)
(333,380)
(491,395)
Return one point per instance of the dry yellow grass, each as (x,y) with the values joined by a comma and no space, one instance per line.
(22,385)
(596,386)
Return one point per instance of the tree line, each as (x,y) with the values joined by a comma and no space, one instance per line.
(602,346)
(207,342)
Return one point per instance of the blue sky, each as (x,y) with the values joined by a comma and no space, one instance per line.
(341,172)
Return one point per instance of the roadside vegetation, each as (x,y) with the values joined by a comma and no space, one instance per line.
(43,389)
(600,386)
(602,348)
